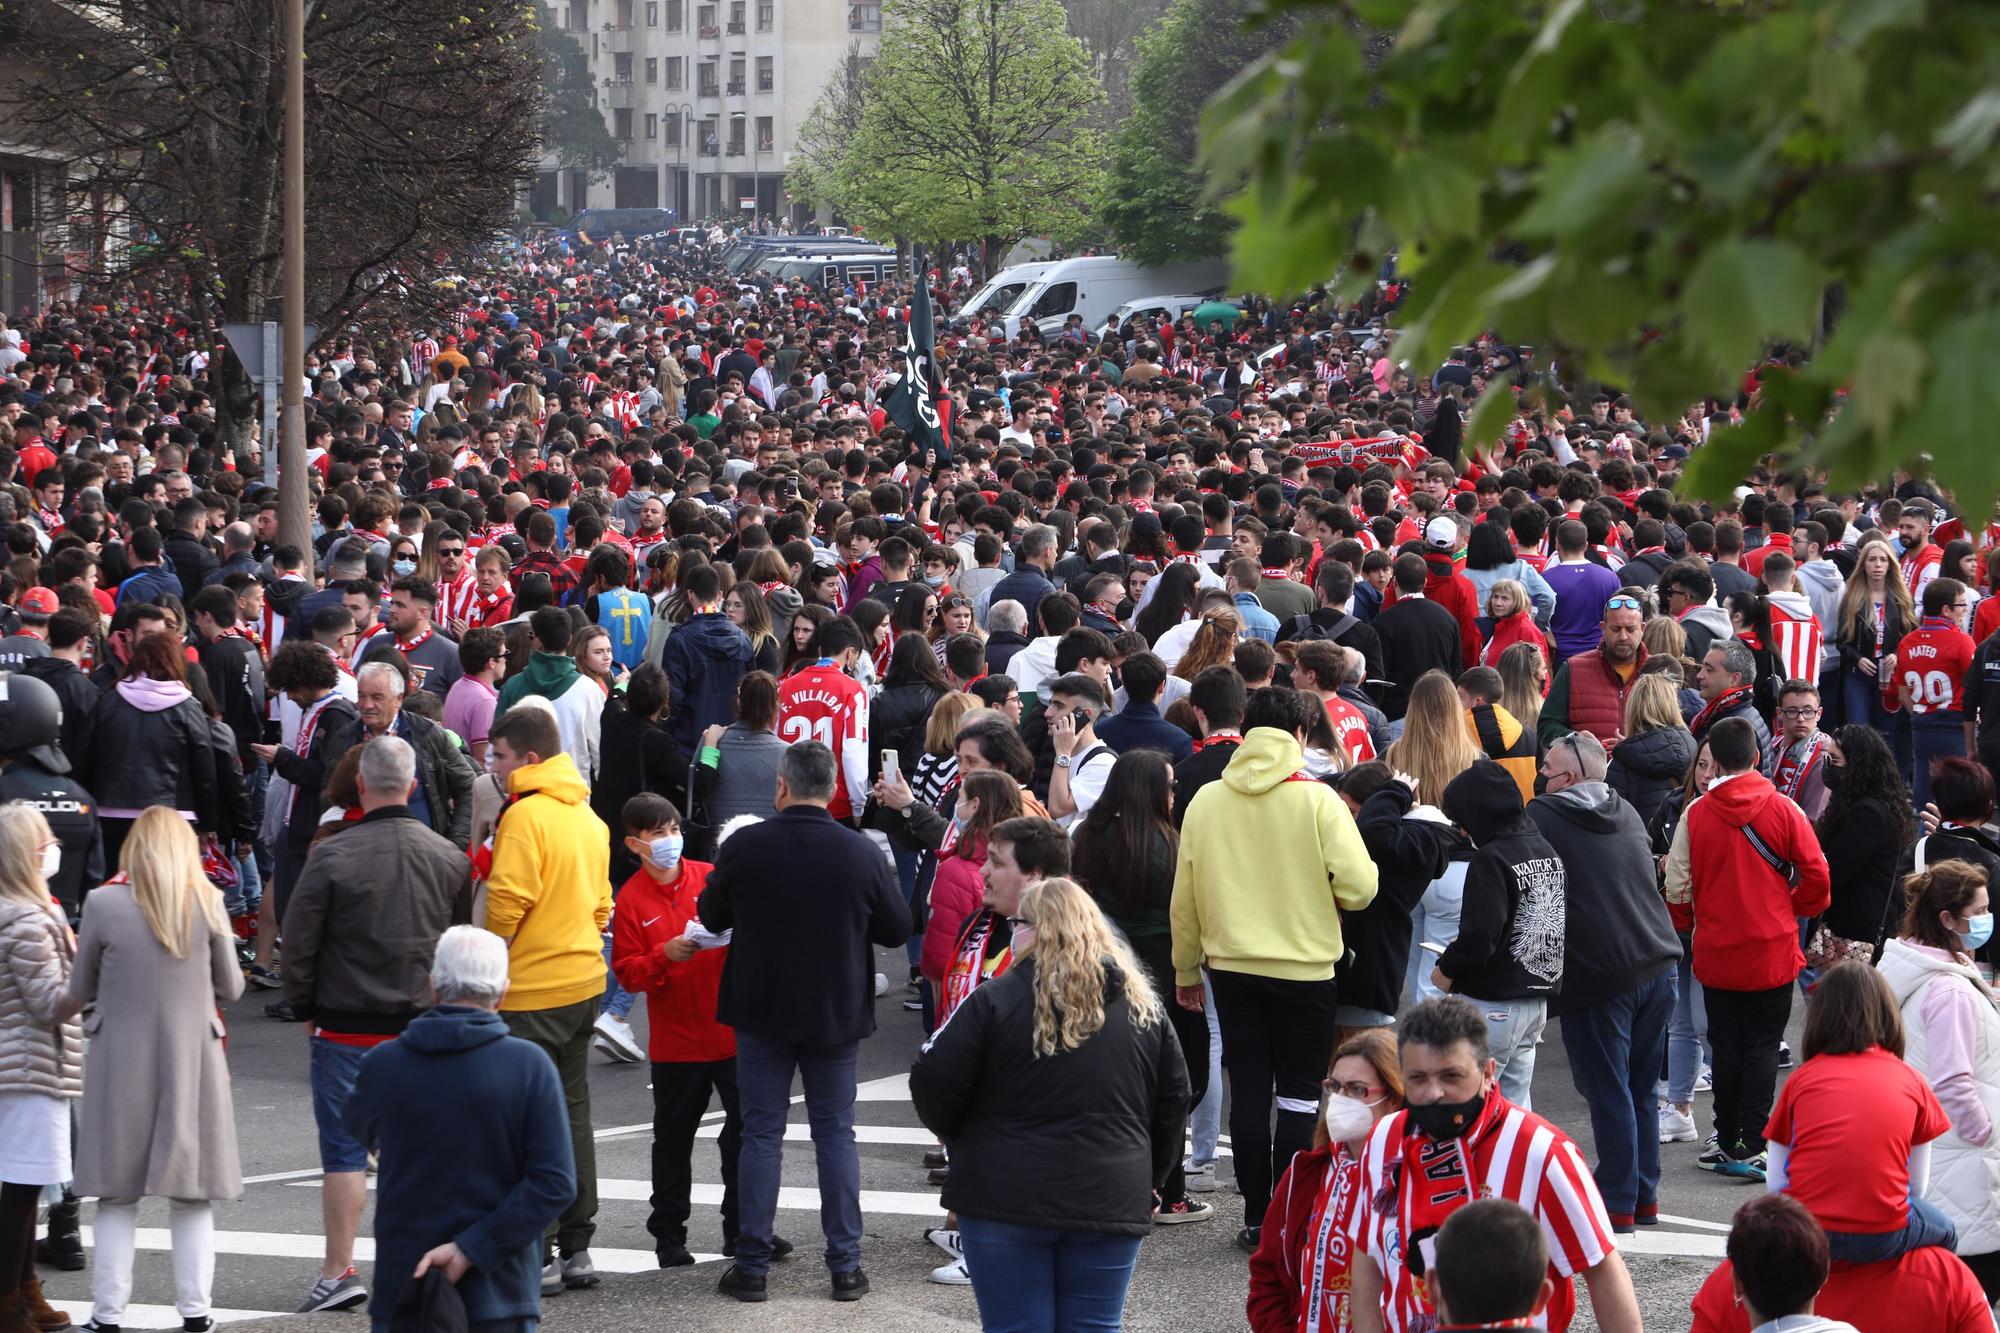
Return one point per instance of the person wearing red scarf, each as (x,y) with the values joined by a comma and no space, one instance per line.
(1460,1140)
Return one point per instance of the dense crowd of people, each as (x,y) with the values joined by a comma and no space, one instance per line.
(1200,712)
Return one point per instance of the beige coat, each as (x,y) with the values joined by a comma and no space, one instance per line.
(157,1118)
(39,1052)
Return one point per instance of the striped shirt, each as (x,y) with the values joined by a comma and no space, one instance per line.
(1514,1154)
(1796,639)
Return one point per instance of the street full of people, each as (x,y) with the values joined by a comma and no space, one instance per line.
(1206,727)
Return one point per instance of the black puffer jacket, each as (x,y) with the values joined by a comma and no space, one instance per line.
(1078,1140)
(1649,768)
(141,756)
(1510,934)
(896,721)
(1410,849)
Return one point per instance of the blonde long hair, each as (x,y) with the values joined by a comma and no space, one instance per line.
(163,862)
(1072,948)
(1653,705)
(1855,602)
(941,732)
(22,833)
(1436,744)
(1519,694)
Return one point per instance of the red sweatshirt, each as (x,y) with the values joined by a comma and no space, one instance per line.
(680,997)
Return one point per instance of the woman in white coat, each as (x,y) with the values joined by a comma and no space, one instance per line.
(1952,1033)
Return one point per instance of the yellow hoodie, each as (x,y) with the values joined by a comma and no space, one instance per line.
(1266,866)
(550,888)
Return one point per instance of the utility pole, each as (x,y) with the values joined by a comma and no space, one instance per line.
(294,483)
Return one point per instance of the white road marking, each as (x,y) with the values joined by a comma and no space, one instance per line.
(161,1316)
(302,1245)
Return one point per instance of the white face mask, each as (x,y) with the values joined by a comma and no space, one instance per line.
(1347,1118)
(51,860)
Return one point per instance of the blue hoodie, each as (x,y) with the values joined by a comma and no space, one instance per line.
(704,660)
(474,1139)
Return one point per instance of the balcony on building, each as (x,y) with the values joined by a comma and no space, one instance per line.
(617,39)
(619,94)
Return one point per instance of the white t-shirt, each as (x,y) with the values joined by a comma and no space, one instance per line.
(1088,773)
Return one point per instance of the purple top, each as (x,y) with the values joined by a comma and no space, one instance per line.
(1581,589)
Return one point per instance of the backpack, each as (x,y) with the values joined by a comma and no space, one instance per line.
(1305,629)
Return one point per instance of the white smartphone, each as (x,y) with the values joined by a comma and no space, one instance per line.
(890,766)
(1437,949)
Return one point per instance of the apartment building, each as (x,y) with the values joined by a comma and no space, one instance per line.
(704,97)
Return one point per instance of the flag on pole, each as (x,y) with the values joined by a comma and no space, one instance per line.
(912,402)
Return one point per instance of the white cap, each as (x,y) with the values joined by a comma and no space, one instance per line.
(1441,533)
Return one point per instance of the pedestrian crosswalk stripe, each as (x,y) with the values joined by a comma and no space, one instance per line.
(1669,1244)
(305,1245)
(907,1203)
(161,1316)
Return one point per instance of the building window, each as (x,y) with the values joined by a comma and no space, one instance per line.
(765,74)
(736,136)
(652,126)
(676,15)
(621,67)
(764,134)
(736,77)
(710,145)
(864,18)
(704,15)
(706,81)
(579,16)
(621,125)
(652,69)
(673,129)
(736,16)
(765,10)
(675,78)
(652,13)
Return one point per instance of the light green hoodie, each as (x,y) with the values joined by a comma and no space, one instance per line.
(1269,859)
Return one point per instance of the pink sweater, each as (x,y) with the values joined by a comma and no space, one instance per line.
(1951,1022)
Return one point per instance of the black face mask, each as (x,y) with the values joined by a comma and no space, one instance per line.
(1541,784)
(1834,776)
(1447,1120)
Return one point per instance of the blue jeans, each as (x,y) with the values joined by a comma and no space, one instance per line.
(1041,1280)
(331,1072)
(1512,1029)
(1615,1047)
(617,1000)
(1205,1120)
(906,860)
(764,1092)
(1933,736)
(1924,1226)
(1687,1030)
(1861,697)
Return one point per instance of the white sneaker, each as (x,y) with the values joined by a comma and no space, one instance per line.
(1675,1127)
(1200,1179)
(881,985)
(952,1274)
(614,1037)
(946,1239)
(1704,1080)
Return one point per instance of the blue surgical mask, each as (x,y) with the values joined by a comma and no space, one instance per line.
(404,568)
(665,852)
(1982,930)
(934,580)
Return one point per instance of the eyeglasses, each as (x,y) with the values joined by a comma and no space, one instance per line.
(1360,1092)
(1623,603)
(1797,713)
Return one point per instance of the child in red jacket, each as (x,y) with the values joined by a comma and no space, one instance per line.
(658,947)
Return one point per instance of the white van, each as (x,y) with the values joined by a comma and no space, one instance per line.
(1002,291)
(1097,285)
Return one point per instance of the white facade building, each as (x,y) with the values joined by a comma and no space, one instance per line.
(705,97)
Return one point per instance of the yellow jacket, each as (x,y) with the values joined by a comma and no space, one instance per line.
(549,890)
(1267,865)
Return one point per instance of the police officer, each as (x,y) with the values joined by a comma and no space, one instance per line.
(34,772)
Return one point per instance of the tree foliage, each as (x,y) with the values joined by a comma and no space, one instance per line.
(973,122)
(1155,200)
(421,127)
(571,126)
(1656,193)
